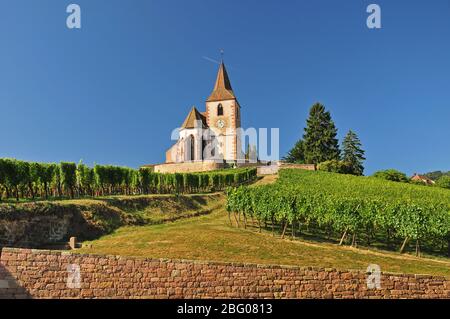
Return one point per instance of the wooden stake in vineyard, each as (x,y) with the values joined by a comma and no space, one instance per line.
(293,229)
(235,217)
(343,237)
(402,249)
(354,240)
(417,248)
(273,233)
(284,228)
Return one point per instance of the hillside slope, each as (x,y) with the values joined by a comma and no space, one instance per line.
(53,222)
(211,237)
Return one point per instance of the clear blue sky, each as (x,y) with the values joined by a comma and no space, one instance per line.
(113,91)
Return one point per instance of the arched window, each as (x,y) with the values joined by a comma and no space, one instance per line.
(219,110)
(192,146)
(203,149)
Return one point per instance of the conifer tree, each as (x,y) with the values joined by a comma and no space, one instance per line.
(319,140)
(296,154)
(353,153)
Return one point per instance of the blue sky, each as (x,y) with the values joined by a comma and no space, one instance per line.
(113,91)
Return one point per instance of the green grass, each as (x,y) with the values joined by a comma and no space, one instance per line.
(162,208)
(211,237)
(91,218)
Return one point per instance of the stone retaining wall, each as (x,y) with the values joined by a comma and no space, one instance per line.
(188,167)
(26,273)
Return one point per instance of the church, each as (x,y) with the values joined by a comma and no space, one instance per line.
(207,140)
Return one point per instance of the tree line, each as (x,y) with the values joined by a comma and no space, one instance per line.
(32,180)
(396,176)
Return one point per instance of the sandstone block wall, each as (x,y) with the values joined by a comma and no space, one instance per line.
(26,273)
(188,167)
(268,170)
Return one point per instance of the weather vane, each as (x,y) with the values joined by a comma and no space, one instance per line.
(221,54)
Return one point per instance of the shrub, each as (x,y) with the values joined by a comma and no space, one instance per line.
(419,182)
(392,175)
(335,166)
(443,181)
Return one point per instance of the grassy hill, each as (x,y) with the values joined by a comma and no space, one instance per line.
(44,223)
(211,237)
(198,226)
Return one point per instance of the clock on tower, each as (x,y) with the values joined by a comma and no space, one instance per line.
(223,115)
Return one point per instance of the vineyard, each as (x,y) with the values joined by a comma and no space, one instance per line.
(31,180)
(347,208)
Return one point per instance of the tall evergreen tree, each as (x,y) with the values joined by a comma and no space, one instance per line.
(296,154)
(319,141)
(353,153)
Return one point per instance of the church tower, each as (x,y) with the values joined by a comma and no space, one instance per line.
(223,116)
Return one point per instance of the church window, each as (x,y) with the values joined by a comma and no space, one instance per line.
(203,148)
(219,110)
(192,142)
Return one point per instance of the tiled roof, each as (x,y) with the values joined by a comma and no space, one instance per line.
(193,116)
(222,88)
(421,177)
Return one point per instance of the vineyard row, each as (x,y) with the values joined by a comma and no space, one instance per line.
(31,180)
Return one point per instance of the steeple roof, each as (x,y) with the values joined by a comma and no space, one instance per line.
(193,116)
(222,88)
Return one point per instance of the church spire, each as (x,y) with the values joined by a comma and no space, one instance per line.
(222,88)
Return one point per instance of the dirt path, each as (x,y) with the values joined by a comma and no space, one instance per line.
(266,179)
